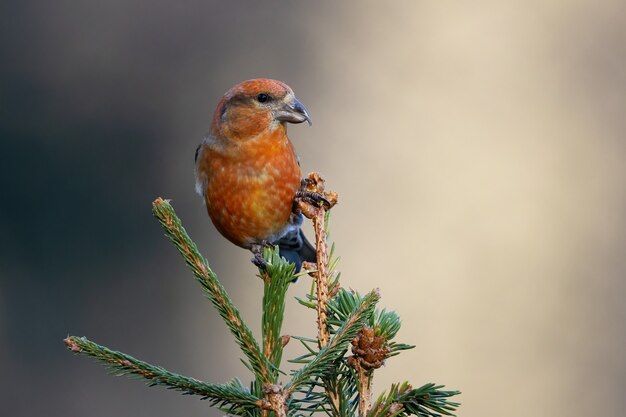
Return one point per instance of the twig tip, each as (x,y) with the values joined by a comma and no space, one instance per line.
(71,344)
(160,201)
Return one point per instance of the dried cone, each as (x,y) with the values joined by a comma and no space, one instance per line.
(369,351)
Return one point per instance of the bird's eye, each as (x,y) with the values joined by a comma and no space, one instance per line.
(262,98)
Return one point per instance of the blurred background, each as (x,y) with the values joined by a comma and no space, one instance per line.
(478,149)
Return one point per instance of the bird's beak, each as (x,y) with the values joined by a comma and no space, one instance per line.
(293,112)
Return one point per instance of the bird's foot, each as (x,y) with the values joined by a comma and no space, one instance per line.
(257,250)
(311,196)
(306,182)
(259,262)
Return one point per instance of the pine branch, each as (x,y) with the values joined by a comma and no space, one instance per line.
(384,322)
(347,387)
(319,217)
(328,381)
(213,289)
(314,393)
(278,276)
(231,397)
(321,276)
(321,365)
(315,185)
(426,401)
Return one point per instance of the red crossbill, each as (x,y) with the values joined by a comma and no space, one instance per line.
(248,173)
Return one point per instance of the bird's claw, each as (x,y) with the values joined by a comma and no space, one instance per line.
(311,197)
(257,250)
(259,262)
(266,244)
(306,182)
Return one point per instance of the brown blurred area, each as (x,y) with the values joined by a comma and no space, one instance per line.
(478,149)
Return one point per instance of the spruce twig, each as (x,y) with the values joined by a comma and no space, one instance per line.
(321,277)
(275,400)
(328,381)
(276,279)
(426,401)
(232,397)
(213,289)
(322,363)
(365,389)
(315,184)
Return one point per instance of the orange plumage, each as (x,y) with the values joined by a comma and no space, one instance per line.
(247,169)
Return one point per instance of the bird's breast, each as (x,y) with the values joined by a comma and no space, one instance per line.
(250,188)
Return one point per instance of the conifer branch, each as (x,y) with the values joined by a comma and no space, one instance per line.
(426,401)
(232,397)
(213,289)
(315,184)
(321,277)
(275,399)
(322,363)
(328,381)
(365,389)
(276,278)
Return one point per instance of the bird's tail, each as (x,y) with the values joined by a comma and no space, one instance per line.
(296,248)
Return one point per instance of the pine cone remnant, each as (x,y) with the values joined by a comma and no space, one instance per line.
(369,351)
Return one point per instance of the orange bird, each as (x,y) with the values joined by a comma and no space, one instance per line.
(248,173)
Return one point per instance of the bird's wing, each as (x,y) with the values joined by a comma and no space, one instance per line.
(197,152)
(200,178)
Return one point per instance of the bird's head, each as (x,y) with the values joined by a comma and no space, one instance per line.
(254,106)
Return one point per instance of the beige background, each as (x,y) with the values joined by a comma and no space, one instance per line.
(478,150)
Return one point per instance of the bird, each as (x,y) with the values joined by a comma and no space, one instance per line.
(249,175)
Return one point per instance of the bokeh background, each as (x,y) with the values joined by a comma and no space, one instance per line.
(478,149)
